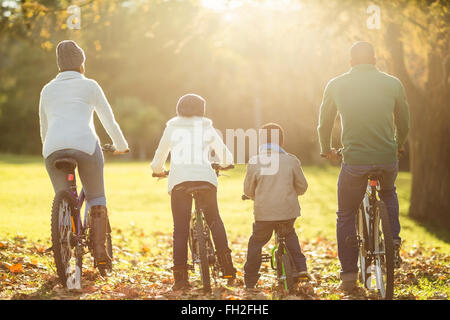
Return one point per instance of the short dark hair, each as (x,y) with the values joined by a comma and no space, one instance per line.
(266,133)
(191,105)
(362,52)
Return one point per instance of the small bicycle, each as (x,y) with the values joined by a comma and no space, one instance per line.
(71,232)
(374,240)
(281,260)
(200,241)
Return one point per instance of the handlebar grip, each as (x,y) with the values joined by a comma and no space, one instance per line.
(160,175)
(108,148)
(217,166)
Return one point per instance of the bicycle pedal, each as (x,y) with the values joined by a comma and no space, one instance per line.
(266,257)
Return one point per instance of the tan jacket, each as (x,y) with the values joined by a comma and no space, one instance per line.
(276,195)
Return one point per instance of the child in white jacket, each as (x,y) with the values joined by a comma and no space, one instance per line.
(190,138)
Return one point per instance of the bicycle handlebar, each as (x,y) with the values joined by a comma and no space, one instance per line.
(111,149)
(215,166)
(160,175)
(338,154)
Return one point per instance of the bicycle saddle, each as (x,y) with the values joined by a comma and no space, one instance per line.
(65,164)
(196,189)
(374,175)
(283,228)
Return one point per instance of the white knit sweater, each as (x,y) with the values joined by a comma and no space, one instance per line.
(190,141)
(66,111)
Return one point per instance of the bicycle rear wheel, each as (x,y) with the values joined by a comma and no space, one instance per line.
(203,253)
(68,258)
(364,262)
(383,252)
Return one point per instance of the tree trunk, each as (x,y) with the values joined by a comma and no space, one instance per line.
(429,134)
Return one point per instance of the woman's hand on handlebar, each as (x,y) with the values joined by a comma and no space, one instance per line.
(111,148)
(160,174)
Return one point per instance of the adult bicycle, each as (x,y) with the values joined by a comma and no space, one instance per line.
(374,240)
(71,233)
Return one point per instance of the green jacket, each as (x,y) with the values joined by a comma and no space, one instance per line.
(374,115)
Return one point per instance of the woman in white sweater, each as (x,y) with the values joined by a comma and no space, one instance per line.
(190,138)
(66,108)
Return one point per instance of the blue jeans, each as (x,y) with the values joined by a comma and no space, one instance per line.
(262,232)
(352,185)
(181,204)
(90,169)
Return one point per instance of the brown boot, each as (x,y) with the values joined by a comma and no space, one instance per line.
(181,276)
(226,264)
(98,222)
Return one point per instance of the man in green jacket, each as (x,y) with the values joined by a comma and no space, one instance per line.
(375,122)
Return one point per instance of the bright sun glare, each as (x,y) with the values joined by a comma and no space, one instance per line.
(224,5)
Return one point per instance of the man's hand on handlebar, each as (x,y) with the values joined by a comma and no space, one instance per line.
(333,154)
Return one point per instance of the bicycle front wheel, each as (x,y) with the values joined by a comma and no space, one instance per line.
(68,259)
(383,252)
(203,254)
(288,274)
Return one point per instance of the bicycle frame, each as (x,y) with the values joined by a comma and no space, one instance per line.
(79,199)
(280,245)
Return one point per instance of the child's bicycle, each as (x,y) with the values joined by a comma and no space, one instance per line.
(281,260)
(200,241)
(71,232)
(374,241)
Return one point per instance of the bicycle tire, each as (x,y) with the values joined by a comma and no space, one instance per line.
(388,249)
(65,199)
(288,282)
(203,254)
(361,231)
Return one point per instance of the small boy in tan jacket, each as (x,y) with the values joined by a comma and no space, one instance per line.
(275,196)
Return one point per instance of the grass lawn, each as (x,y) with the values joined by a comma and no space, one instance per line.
(138,202)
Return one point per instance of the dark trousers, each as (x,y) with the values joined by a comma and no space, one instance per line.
(181,203)
(262,232)
(352,185)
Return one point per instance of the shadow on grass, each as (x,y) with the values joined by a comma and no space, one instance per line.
(44,292)
(20,159)
(436,230)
